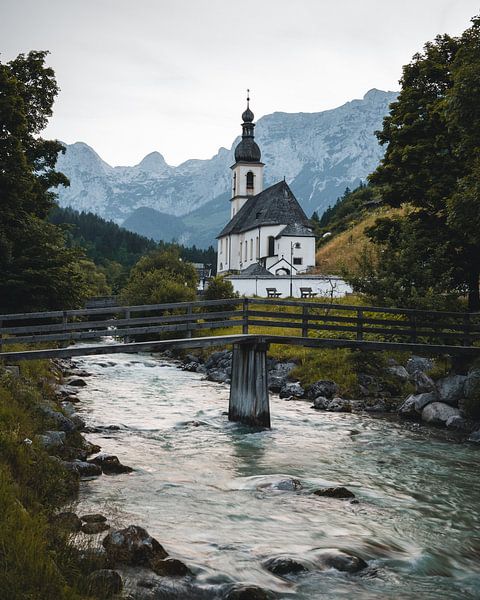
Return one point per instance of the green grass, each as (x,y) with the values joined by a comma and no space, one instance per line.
(37,561)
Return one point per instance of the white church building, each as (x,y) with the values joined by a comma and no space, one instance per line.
(268,244)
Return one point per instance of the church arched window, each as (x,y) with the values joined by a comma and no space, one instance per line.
(250,177)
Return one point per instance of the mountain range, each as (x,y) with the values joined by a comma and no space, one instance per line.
(319,154)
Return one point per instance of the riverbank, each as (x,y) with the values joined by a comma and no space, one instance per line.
(417,388)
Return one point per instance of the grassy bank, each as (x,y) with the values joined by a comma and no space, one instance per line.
(340,365)
(37,560)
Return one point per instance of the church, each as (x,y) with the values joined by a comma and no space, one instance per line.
(268,234)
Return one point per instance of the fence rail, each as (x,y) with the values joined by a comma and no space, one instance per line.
(291,318)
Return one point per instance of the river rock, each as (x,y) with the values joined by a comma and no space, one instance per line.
(419,363)
(83,468)
(450,389)
(51,439)
(284,485)
(422,382)
(218,376)
(93,518)
(335,492)
(415,403)
(437,413)
(214,359)
(169,567)
(76,382)
(321,403)
(134,546)
(191,366)
(61,421)
(472,385)
(323,387)
(95,527)
(248,592)
(68,521)
(110,464)
(292,389)
(278,375)
(399,372)
(341,561)
(457,423)
(339,405)
(104,583)
(284,565)
(474,437)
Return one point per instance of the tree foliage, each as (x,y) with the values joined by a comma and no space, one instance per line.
(432,164)
(161,276)
(37,271)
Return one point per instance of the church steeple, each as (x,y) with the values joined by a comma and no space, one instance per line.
(248,150)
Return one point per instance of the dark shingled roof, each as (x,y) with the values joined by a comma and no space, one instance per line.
(255,270)
(274,206)
(296,230)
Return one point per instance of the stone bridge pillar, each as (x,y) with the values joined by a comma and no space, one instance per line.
(249,401)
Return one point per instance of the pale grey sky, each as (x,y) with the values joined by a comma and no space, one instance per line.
(171,75)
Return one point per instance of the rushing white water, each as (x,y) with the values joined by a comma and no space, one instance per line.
(199,487)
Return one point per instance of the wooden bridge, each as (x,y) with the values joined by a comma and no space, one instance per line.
(249,324)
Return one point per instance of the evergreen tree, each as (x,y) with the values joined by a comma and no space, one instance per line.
(37,271)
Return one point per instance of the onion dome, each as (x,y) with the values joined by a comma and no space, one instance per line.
(248,150)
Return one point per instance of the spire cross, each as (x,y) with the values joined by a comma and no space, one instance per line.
(248,97)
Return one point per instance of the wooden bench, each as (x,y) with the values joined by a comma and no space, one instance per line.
(272,293)
(306,292)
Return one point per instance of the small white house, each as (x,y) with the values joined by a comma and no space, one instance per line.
(267,227)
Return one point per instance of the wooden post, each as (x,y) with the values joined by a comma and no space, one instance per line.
(359,324)
(126,339)
(466,329)
(189,322)
(413,325)
(245,316)
(249,402)
(305,321)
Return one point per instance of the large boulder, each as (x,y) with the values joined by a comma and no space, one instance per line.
(323,387)
(422,382)
(339,405)
(169,567)
(133,546)
(438,413)
(415,403)
(292,389)
(450,389)
(62,422)
(321,403)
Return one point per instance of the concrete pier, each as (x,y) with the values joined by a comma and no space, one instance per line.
(249,401)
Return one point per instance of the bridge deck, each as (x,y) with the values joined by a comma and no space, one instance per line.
(225,340)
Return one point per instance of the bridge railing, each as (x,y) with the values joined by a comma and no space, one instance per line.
(307,319)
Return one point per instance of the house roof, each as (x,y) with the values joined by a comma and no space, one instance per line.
(255,270)
(274,206)
(296,230)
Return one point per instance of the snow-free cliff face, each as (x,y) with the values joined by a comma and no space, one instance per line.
(319,154)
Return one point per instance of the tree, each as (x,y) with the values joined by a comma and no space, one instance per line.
(431,164)
(158,277)
(37,270)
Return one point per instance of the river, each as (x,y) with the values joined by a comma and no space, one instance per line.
(201,487)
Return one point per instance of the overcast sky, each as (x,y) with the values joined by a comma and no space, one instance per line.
(144,75)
